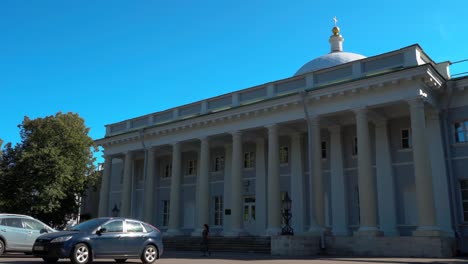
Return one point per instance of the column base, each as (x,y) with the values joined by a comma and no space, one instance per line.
(316,230)
(237,232)
(197,232)
(370,231)
(273,231)
(427,231)
(340,232)
(173,232)
(391,232)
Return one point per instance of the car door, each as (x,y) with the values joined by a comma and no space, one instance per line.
(14,233)
(110,242)
(134,237)
(33,230)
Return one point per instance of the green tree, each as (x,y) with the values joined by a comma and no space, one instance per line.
(44,175)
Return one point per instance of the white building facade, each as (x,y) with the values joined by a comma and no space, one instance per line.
(365,147)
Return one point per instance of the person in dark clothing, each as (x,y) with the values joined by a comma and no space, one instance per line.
(204,244)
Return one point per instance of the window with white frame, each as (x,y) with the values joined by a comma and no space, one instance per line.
(219,163)
(192,167)
(461,131)
(355,147)
(464,196)
(167,170)
(165,214)
(284,155)
(218,210)
(406,142)
(324,149)
(249,160)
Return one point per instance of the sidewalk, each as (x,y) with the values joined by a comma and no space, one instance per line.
(193,257)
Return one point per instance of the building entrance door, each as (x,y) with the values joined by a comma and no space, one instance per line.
(249,214)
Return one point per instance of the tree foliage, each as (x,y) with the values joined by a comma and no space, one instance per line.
(49,169)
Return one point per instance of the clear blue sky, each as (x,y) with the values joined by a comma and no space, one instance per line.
(113,60)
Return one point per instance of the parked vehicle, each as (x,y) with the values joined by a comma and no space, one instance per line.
(18,232)
(107,237)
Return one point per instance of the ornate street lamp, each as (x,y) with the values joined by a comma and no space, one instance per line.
(287,229)
(115,211)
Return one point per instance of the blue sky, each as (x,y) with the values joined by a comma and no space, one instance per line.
(113,60)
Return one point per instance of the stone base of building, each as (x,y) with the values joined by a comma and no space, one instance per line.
(376,246)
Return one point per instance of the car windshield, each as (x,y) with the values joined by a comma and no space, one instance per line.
(89,225)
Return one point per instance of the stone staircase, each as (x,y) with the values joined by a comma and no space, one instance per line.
(245,244)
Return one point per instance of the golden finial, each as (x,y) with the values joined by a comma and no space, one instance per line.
(336,29)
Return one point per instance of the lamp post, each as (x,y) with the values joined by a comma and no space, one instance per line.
(115,211)
(287,229)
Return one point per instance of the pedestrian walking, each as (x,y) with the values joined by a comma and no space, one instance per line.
(205,241)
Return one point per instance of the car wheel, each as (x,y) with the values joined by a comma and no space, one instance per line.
(50,260)
(81,254)
(120,260)
(2,247)
(149,255)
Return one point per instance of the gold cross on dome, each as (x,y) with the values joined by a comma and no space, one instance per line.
(335,20)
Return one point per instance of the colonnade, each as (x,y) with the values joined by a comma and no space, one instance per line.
(377,208)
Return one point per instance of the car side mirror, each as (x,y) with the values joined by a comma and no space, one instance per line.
(101,230)
(43,230)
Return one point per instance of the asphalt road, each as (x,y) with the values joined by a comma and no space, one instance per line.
(237,258)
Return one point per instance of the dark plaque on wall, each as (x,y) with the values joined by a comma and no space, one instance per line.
(227,212)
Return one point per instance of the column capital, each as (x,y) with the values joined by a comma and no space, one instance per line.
(334,129)
(415,102)
(360,110)
(204,139)
(380,122)
(296,135)
(271,126)
(129,153)
(236,133)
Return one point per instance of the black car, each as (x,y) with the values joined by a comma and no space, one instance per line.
(117,238)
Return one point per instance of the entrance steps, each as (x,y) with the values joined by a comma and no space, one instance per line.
(245,244)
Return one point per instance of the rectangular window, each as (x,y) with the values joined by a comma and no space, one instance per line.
(192,167)
(167,170)
(219,163)
(218,210)
(249,160)
(165,214)
(406,142)
(464,196)
(324,149)
(461,131)
(284,155)
(355,148)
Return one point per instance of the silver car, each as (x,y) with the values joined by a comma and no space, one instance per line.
(18,232)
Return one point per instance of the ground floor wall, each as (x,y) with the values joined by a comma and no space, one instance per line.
(434,247)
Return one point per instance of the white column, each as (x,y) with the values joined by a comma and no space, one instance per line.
(260,187)
(127,185)
(227,189)
(366,178)
(316,210)
(104,192)
(149,188)
(317,174)
(236,185)
(422,172)
(274,202)
(338,190)
(203,187)
(385,181)
(176,182)
(439,174)
(298,211)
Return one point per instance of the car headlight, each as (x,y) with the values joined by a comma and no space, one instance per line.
(61,239)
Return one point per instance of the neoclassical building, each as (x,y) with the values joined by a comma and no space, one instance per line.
(368,149)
